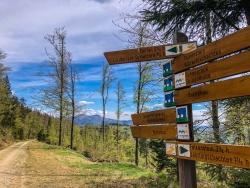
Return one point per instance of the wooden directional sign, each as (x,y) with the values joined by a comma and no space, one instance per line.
(224,154)
(167,132)
(215,70)
(219,90)
(155,117)
(148,53)
(227,45)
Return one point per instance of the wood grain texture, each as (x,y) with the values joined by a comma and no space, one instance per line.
(140,54)
(155,117)
(167,132)
(222,68)
(224,154)
(219,90)
(227,45)
(136,55)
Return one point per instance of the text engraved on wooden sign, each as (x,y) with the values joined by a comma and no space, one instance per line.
(224,154)
(214,91)
(148,53)
(154,117)
(167,132)
(215,70)
(227,45)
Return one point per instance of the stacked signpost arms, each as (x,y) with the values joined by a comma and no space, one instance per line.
(186,81)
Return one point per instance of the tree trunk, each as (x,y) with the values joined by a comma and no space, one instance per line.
(61,93)
(72,126)
(136,152)
(60,123)
(117,138)
(138,111)
(216,123)
(214,105)
(103,122)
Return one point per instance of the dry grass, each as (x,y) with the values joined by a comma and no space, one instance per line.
(51,166)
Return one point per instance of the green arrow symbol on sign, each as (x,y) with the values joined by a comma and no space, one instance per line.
(183,150)
(174,49)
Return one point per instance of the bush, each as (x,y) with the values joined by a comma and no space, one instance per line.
(41,136)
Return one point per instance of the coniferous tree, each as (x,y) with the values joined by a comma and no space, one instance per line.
(171,15)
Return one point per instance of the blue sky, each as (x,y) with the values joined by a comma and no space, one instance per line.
(90,32)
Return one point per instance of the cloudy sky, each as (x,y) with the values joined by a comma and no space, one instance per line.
(90,32)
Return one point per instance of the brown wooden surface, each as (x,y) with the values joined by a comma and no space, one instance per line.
(186,169)
(138,54)
(219,90)
(155,117)
(167,132)
(135,55)
(215,70)
(229,44)
(224,154)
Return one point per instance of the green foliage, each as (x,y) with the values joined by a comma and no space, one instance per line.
(239,178)
(160,159)
(41,135)
(171,15)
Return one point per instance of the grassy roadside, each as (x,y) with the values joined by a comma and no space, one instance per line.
(105,174)
(124,174)
(52,166)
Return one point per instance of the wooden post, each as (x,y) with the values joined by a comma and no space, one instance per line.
(186,168)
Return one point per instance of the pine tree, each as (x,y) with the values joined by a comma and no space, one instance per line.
(171,15)
(6,101)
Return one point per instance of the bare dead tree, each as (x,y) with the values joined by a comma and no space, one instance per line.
(120,94)
(106,81)
(54,96)
(72,96)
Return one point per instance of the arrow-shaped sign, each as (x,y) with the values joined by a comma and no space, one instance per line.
(184,150)
(148,53)
(223,154)
(173,50)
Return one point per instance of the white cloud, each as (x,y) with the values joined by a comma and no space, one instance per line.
(198,114)
(31,84)
(84,103)
(109,114)
(88,23)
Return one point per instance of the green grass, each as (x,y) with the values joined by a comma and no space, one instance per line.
(125,169)
(59,150)
(121,168)
(125,174)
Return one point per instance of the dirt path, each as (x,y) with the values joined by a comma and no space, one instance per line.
(12,161)
(32,164)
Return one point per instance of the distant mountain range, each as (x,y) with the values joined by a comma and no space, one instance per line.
(97,120)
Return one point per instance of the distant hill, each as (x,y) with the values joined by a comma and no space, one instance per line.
(97,120)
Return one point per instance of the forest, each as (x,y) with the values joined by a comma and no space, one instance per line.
(225,121)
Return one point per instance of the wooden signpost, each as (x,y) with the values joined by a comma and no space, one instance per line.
(227,45)
(223,154)
(148,53)
(236,87)
(155,117)
(190,67)
(230,66)
(167,132)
